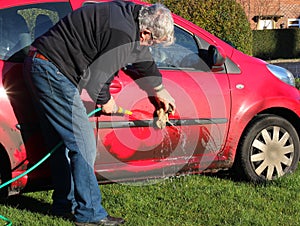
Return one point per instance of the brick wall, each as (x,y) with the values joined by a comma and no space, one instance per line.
(282,9)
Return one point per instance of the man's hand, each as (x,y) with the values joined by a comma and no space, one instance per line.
(165,99)
(162,118)
(110,107)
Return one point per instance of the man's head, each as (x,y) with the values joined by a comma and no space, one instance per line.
(156,25)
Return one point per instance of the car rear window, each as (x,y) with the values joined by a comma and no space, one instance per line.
(20,25)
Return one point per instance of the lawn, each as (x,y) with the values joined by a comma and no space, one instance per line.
(189,200)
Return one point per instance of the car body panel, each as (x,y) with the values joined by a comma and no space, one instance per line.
(253,96)
(178,142)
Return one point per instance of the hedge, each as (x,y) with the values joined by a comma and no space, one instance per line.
(276,44)
(225,19)
(298,83)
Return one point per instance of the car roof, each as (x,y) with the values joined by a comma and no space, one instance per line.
(12,3)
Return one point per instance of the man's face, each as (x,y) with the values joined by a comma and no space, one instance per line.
(147,39)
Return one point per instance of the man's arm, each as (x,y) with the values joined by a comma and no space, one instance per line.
(148,71)
(115,48)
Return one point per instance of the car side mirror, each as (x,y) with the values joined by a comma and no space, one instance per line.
(217,57)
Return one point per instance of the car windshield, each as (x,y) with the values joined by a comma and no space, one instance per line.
(20,25)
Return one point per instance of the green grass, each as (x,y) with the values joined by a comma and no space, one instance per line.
(190,200)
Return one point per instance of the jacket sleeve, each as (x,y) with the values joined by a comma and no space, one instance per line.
(147,69)
(115,50)
(98,88)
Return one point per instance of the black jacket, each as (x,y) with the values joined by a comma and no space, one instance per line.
(92,43)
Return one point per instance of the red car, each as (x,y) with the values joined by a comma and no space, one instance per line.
(233,110)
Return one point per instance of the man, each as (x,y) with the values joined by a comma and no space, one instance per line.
(83,51)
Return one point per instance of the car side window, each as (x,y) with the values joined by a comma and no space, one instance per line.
(20,25)
(184,54)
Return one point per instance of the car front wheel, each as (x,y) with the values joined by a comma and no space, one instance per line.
(269,148)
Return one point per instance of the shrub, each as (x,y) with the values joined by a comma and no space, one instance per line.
(225,19)
(298,83)
(276,43)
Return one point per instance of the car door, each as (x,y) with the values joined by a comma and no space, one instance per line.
(132,146)
(20,24)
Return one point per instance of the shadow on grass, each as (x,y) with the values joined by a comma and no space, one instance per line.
(232,175)
(226,175)
(27,203)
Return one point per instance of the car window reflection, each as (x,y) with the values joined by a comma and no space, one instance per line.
(20,25)
(184,54)
(14,33)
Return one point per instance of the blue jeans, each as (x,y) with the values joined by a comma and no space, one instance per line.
(63,118)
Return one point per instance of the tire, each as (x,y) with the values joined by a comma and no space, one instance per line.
(4,173)
(268,149)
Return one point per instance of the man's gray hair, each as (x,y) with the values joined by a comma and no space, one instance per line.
(158,19)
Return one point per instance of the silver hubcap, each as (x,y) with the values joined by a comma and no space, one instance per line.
(272,152)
